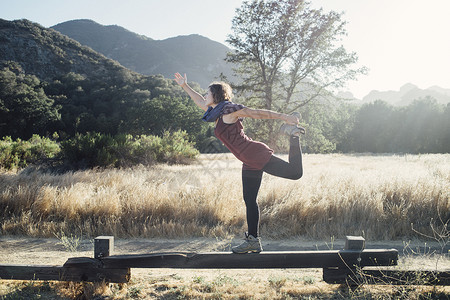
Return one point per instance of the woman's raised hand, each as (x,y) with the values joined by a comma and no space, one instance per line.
(292,119)
(180,79)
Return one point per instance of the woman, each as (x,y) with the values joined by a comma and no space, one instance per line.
(255,156)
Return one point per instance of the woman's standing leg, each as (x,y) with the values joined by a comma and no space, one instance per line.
(251,182)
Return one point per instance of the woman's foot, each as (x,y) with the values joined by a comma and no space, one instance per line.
(251,244)
(292,130)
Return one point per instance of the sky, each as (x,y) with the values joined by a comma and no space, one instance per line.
(399,41)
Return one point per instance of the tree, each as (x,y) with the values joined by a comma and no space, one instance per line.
(157,115)
(329,125)
(371,130)
(419,127)
(25,109)
(445,130)
(286,53)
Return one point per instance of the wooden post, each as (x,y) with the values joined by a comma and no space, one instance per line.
(344,273)
(103,246)
(354,243)
(91,269)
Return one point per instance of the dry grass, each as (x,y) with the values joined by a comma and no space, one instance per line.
(166,284)
(378,197)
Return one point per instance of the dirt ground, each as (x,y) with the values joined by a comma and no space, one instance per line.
(40,251)
(26,250)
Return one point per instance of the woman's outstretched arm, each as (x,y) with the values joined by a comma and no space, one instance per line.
(196,97)
(260,114)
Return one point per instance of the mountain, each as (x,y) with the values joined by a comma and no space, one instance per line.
(51,83)
(48,54)
(407,94)
(199,57)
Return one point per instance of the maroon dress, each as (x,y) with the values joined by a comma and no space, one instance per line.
(254,155)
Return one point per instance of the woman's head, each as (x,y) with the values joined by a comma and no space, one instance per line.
(220,91)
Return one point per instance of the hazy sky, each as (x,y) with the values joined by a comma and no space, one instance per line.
(400,41)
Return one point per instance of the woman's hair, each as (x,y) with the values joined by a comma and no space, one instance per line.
(221,91)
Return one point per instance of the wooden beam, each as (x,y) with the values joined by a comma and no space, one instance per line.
(401,277)
(116,275)
(263,260)
(388,277)
(61,273)
(25,272)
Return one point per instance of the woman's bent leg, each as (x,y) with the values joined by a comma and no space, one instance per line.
(251,181)
(292,169)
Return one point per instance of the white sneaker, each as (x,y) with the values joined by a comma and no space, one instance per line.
(292,129)
(250,244)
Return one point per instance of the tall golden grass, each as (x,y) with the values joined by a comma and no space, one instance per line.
(378,197)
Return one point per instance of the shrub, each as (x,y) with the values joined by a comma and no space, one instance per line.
(16,154)
(93,149)
(100,150)
(177,148)
(89,150)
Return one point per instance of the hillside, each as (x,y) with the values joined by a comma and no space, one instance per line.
(48,54)
(51,83)
(201,58)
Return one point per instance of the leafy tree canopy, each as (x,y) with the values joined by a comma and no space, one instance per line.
(25,109)
(288,53)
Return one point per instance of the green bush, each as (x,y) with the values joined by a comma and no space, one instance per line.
(101,150)
(176,147)
(16,154)
(88,150)
(98,150)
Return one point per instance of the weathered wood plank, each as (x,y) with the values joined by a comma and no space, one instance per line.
(263,260)
(83,262)
(116,275)
(390,277)
(338,275)
(61,273)
(399,277)
(25,272)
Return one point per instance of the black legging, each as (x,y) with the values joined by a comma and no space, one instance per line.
(251,180)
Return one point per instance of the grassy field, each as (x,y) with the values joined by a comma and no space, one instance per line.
(379,197)
(383,198)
